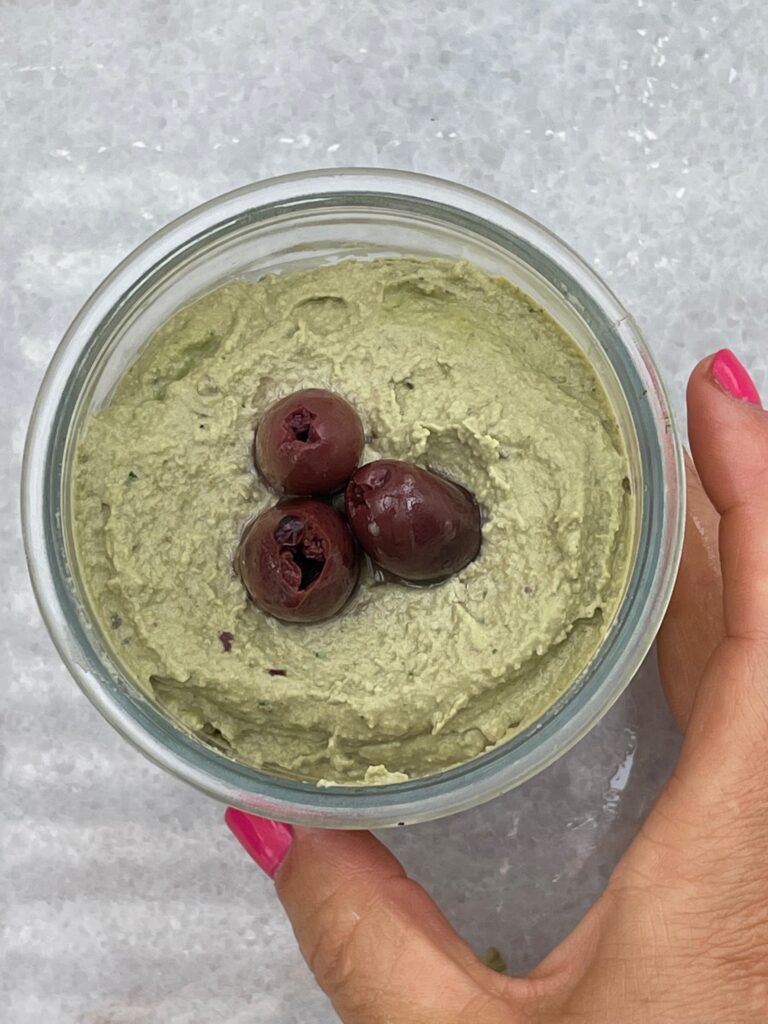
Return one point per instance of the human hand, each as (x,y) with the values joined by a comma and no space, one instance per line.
(681,932)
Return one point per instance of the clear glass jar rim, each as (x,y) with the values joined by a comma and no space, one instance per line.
(267,794)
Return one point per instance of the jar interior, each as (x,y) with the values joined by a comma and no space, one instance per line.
(319,230)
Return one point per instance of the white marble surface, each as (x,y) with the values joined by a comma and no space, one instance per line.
(636,130)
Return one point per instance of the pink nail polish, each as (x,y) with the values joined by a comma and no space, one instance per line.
(733,378)
(266,841)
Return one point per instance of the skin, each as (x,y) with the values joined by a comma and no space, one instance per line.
(448,368)
(681,931)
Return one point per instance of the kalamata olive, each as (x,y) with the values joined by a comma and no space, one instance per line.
(413,523)
(298,561)
(308,443)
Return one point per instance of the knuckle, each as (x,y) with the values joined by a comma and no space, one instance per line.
(345,941)
(333,930)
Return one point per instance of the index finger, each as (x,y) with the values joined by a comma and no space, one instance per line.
(728,430)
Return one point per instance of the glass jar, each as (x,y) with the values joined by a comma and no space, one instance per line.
(304,220)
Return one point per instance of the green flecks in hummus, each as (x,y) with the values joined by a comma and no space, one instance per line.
(449,368)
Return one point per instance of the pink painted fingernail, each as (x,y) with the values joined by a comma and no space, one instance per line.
(266,841)
(733,378)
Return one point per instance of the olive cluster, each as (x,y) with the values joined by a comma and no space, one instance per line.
(300,560)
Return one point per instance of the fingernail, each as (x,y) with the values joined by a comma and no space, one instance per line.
(733,378)
(266,841)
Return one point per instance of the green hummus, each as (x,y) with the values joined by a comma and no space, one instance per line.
(448,368)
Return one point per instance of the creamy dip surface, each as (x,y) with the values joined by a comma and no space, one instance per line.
(449,368)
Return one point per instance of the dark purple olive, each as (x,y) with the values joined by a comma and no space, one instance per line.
(308,443)
(413,523)
(298,561)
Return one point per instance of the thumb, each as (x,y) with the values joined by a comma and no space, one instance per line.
(375,941)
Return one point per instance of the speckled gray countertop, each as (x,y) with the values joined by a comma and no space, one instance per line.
(636,130)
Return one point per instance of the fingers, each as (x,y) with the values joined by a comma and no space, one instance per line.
(693,625)
(729,441)
(685,892)
(375,941)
